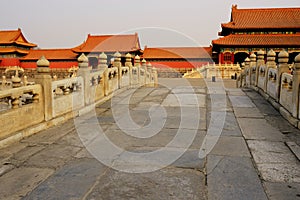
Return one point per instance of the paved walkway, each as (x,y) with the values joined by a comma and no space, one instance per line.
(181,140)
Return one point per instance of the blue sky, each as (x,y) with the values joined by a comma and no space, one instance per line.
(66,23)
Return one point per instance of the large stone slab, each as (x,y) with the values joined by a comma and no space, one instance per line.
(259,129)
(20,157)
(218,102)
(265,107)
(168,183)
(198,100)
(253,94)
(53,156)
(20,181)
(294,148)
(51,135)
(184,90)
(183,158)
(154,99)
(280,172)
(231,146)
(235,92)
(279,191)
(72,139)
(186,122)
(231,126)
(71,182)
(247,112)
(278,122)
(241,101)
(233,178)
(270,152)
(180,137)
(190,160)
(160,92)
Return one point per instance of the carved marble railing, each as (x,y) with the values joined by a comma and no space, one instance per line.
(220,70)
(148,77)
(135,75)
(286,91)
(112,79)
(271,84)
(96,85)
(125,77)
(253,75)
(276,82)
(67,95)
(261,77)
(51,101)
(248,76)
(20,108)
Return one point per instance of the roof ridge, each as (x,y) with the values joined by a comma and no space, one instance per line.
(50,49)
(10,30)
(171,47)
(264,9)
(90,35)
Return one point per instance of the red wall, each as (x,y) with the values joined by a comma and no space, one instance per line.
(53,64)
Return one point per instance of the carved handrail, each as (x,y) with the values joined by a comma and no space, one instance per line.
(16,97)
(66,86)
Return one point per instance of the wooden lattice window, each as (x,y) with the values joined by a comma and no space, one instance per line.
(227,57)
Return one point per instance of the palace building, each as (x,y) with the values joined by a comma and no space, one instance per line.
(13,44)
(15,50)
(109,44)
(59,58)
(250,30)
(179,59)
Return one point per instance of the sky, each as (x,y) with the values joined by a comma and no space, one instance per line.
(159,23)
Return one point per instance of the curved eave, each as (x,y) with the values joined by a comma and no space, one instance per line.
(5,50)
(100,51)
(19,43)
(26,44)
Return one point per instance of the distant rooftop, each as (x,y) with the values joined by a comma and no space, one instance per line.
(14,37)
(51,54)
(263,18)
(109,43)
(177,52)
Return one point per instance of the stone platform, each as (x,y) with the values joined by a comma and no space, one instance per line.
(185,139)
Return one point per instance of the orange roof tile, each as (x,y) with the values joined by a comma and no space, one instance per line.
(259,40)
(177,52)
(14,37)
(51,54)
(109,43)
(263,18)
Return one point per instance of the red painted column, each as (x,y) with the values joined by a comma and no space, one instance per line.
(221,58)
(232,57)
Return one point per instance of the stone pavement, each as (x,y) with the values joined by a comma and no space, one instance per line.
(151,143)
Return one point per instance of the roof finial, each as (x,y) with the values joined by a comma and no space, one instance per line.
(234,6)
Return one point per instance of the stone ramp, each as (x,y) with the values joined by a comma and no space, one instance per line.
(158,133)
